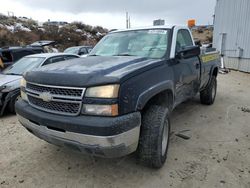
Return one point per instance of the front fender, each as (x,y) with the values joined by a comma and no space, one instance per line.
(10,96)
(152,91)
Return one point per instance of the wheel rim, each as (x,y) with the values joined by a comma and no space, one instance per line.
(164,142)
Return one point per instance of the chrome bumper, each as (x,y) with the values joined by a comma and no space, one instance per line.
(102,146)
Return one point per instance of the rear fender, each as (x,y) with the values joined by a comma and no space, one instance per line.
(214,67)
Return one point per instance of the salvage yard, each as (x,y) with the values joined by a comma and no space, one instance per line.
(213,150)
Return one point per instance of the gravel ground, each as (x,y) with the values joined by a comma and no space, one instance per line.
(216,155)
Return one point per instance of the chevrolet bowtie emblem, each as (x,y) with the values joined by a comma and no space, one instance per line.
(46,96)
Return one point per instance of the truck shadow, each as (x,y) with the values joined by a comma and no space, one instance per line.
(7,115)
(46,165)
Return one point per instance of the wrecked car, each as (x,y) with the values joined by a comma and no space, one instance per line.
(79,50)
(10,55)
(11,76)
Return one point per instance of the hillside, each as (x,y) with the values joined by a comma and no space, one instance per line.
(203,33)
(23,31)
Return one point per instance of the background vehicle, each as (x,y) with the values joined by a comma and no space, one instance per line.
(10,55)
(42,43)
(79,50)
(118,99)
(47,45)
(11,76)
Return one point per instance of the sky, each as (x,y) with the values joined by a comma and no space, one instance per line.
(111,13)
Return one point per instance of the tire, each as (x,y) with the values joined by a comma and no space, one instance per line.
(154,137)
(208,95)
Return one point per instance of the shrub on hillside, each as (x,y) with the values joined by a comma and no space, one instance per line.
(27,31)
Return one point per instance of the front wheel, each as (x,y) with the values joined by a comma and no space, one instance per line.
(208,95)
(154,138)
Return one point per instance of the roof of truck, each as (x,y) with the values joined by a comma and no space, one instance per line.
(148,27)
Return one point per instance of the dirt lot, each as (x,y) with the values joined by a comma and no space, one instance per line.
(216,155)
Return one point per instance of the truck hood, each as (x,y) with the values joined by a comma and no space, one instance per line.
(8,79)
(90,71)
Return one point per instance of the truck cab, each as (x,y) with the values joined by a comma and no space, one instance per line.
(118,100)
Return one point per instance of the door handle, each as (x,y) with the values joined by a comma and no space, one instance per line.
(197,65)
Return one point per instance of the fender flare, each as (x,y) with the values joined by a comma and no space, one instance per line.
(212,70)
(211,75)
(153,91)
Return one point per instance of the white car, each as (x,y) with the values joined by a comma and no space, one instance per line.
(82,51)
(11,76)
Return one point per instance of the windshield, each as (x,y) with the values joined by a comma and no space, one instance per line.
(23,65)
(72,50)
(142,43)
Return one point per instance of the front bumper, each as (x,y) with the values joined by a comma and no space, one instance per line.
(102,145)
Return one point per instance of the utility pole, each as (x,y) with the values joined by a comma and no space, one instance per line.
(127,20)
(129,23)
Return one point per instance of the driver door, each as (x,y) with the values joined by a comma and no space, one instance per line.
(186,71)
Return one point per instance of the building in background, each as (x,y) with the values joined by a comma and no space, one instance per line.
(159,22)
(232,33)
(55,23)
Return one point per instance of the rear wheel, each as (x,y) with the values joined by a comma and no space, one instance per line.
(208,95)
(154,138)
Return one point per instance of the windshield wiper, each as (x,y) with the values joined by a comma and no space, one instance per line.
(125,54)
(13,74)
(94,55)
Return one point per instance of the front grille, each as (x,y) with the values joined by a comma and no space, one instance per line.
(70,108)
(55,90)
(55,99)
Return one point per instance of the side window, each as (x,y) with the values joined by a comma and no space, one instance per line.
(54,60)
(83,51)
(183,39)
(7,57)
(39,51)
(68,57)
(20,54)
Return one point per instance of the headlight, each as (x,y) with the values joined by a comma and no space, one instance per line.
(23,86)
(2,88)
(23,82)
(24,96)
(108,92)
(101,110)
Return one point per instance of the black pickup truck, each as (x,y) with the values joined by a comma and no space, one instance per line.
(118,99)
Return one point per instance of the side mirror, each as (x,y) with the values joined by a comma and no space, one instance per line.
(188,52)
